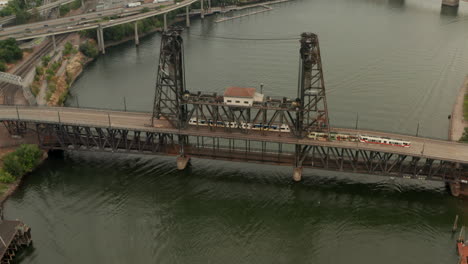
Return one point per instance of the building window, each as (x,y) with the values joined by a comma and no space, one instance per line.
(238,102)
(229,101)
(246,102)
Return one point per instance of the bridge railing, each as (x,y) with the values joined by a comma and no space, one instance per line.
(114,110)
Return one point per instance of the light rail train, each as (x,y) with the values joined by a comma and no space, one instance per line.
(312,135)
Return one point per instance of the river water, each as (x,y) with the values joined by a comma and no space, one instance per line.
(395,63)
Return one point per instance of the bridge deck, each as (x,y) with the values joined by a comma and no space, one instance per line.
(422,147)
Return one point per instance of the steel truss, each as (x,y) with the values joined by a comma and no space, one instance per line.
(311,89)
(308,112)
(83,138)
(170,82)
(15,128)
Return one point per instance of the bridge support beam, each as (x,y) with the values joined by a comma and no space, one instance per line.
(202,10)
(99,41)
(297,174)
(165,21)
(101,34)
(450,2)
(182,162)
(187,16)
(137,40)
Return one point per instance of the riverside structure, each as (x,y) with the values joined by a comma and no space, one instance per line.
(167,131)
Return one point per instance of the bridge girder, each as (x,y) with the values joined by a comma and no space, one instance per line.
(87,138)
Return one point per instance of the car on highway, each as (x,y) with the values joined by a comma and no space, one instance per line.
(69,27)
(45,25)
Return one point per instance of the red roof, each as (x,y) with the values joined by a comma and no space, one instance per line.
(239,92)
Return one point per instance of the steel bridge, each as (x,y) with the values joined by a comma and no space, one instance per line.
(167,129)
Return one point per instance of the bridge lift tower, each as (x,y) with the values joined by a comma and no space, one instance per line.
(175,105)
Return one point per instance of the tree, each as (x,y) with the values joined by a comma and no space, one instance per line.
(3,66)
(68,48)
(89,49)
(22,160)
(10,51)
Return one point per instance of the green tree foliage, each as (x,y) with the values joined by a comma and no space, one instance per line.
(464,137)
(10,51)
(45,61)
(22,160)
(64,9)
(3,66)
(54,67)
(6,177)
(68,49)
(76,4)
(39,70)
(89,49)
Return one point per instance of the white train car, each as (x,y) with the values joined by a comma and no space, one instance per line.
(274,127)
(384,141)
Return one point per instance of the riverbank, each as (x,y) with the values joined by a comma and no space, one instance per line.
(7,189)
(458,120)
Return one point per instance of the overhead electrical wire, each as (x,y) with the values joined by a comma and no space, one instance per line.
(246,39)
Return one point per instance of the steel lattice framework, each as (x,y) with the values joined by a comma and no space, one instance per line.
(88,138)
(307,112)
(170,82)
(311,89)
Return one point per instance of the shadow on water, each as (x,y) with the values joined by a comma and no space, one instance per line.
(449,11)
(396,3)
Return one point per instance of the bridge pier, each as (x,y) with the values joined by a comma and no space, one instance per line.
(182,162)
(202,10)
(187,16)
(450,2)
(165,21)
(101,37)
(98,35)
(137,40)
(297,174)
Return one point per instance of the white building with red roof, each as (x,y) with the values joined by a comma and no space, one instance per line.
(241,96)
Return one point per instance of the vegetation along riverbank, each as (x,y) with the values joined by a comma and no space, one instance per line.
(16,163)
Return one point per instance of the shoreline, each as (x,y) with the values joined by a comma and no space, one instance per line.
(457,122)
(12,187)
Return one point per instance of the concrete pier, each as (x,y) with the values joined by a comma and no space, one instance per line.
(202,10)
(137,40)
(165,21)
(297,174)
(182,162)
(450,2)
(187,16)
(100,39)
(98,35)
